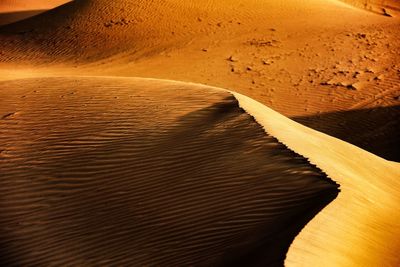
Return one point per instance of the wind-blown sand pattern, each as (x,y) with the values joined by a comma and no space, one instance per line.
(145,173)
(139,171)
(296,57)
(100,167)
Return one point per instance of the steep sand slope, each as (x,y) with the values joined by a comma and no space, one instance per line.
(294,56)
(136,172)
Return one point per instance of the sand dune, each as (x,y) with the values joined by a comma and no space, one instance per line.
(132,171)
(145,173)
(268,50)
(182,175)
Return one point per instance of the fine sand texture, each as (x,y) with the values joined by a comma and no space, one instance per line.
(296,57)
(136,172)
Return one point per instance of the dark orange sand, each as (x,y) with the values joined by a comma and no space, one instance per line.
(98,171)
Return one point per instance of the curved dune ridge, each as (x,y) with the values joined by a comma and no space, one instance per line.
(99,171)
(293,56)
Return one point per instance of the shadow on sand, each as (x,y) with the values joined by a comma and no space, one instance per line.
(376,130)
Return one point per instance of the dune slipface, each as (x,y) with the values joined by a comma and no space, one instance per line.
(139,172)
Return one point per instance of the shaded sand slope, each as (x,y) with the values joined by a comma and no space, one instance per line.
(374,126)
(10,17)
(294,56)
(135,172)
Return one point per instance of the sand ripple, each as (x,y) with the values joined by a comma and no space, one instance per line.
(142,173)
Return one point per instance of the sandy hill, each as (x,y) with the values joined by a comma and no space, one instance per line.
(182,174)
(294,56)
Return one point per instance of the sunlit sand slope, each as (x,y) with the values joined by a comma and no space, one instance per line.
(135,172)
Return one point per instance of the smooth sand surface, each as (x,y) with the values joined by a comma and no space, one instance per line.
(135,172)
(296,57)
